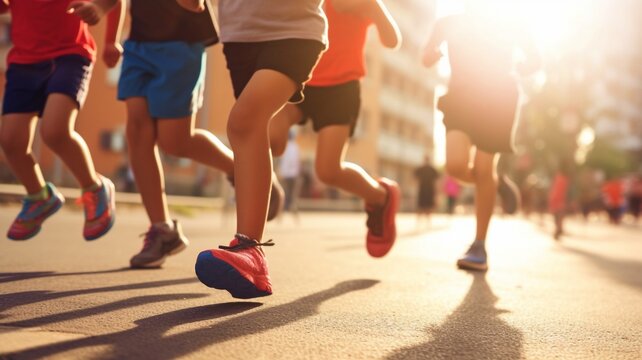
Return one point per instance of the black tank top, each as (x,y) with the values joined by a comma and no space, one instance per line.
(165,20)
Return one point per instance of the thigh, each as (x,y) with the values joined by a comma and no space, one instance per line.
(18,128)
(59,115)
(139,121)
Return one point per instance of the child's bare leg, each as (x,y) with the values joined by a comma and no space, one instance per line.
(280,126)
(178,137)
(485,191)
(247,129)
(458,147)
(16,137)
(145,161)
(57,130)
(332,170)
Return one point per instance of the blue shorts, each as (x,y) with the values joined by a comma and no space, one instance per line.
(28,85)
(170,75)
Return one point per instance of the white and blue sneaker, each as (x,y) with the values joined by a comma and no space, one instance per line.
(475,258)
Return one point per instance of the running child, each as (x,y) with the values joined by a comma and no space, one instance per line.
(481,105)
(332,102)
(161,82)
(271,47)
(48,74)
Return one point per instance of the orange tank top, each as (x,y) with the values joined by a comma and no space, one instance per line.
(344,60)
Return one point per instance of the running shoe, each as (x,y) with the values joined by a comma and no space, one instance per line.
(34,212)
(277,197)
(159,242)
(509,195)
(240,268)
(475,258)
(381,223)
(100,209)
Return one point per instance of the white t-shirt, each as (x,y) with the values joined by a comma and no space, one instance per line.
(290,162)
(267,20)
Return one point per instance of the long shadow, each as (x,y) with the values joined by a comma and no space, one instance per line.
(473,331)
(9,277)
(7,301)
(101,309)
(150,332)
(627,272)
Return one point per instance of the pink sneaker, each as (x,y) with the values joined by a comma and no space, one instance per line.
(34,212)
(382,227)
(240,268)
(100,209)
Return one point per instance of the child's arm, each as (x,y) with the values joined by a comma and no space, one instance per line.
(432,53)
(4,6)
(90,11)
(389,33)
(192,5)
(113,49)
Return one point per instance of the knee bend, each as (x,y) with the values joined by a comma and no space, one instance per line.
(174,147)
(456,170)
(241,124)
(328,175)
(12,144)
(54,138)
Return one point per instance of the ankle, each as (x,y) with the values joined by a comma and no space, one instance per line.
(43,194)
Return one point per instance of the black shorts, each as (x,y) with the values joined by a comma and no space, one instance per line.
(294,58)
(488,117)
(332,105)
(29,85)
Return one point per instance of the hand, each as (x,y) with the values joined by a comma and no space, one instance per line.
(111,54)
(86,10)
(192,5)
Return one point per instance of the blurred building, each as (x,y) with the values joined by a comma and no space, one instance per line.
(394,131)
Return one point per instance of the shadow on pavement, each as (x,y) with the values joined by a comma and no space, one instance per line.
(149,339)
(626,272)
(10,277)
(473,331)
(7,301)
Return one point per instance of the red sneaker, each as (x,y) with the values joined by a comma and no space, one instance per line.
(240,268)
(382,227)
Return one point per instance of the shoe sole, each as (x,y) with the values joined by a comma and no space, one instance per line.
(53,210)
(112,208)
(150,265)
(216,273)
(467,265)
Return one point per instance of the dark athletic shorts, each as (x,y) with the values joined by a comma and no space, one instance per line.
(294,58)
(332,105)
(488,117)
(28,85)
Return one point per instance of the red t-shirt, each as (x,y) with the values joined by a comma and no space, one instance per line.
(42,30)
(344,60)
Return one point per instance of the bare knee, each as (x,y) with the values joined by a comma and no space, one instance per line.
(457,170)
(328,174)
(13,144)
(484,174)
(55,137)
(240,125)
(173,145)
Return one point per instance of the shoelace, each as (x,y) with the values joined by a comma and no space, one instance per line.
(89,199)
(245,243)
(375,220)
(149,235)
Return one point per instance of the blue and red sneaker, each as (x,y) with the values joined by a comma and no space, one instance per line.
(240,268)
(382,226)
(100,209)
(34,212)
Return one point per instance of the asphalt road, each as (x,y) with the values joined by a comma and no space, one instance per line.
(62,297)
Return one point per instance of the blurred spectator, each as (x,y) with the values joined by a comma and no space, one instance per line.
(558,197)
(290,173)
(589,192)
(635,197)
(426,176)
(452,190)
(613,197)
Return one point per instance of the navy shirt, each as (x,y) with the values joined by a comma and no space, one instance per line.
(165,20)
